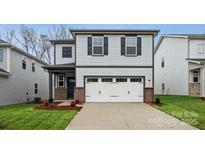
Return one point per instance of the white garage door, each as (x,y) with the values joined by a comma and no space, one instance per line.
(114,89)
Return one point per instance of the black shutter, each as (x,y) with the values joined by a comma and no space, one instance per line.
(89,45)
(139,46)
(105,45)
(122,45)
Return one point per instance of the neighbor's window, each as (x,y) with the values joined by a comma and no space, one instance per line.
(61,80)
(98,46)
(196,76)
(135,80)
(131,46)
(92,79)
(1,54)
(121,79)
(67,52)
(33,66)
(107,79)
(24,62)
(36,88)
(201,48)
(162,62)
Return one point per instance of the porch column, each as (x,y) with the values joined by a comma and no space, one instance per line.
(202,82)
(50,85)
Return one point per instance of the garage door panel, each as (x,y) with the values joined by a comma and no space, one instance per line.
(114,91)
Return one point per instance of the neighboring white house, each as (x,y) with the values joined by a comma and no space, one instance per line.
(106,65)
(179,65)
(22,77)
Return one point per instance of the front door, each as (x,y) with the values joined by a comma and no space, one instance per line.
(70,87)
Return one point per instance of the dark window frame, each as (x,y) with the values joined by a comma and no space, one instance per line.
(162,62)
(67,55)
(36,88)
(24,63)
(33,66)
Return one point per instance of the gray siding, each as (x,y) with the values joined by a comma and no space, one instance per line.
(60,59)
(14,88)
(114,57)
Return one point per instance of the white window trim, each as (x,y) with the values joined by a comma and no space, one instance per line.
(98,46)
(61,80)
(2,50)
(130,46)
(198,49)
(196,76)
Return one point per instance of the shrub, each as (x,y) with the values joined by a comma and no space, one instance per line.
(45,103)
(157,101)
(73,103)
(77,101)
(52,105)
(50,100)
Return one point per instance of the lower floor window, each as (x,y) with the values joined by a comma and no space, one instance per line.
(36,88)
(196,76)
(61,80)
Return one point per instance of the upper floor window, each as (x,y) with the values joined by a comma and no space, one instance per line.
(24,62)
(61,80)
(131,46)
(201,48)
(97,46)
(33,66)
(196,76)
(162,62)
(1,54)
(67,52)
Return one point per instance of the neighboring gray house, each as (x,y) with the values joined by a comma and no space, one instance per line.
(106,65)
(22,77)
(180,65)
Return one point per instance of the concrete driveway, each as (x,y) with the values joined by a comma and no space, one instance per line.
(124,116)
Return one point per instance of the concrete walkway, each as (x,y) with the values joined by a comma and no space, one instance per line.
(124,116)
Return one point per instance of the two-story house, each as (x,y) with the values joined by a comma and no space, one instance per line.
(22,77)
(104,65)
(179,65)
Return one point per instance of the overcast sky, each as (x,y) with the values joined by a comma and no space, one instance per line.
(164,28)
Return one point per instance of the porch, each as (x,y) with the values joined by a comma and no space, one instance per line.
(196,78)
(61,81)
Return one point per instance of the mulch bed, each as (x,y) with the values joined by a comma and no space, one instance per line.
(54,106)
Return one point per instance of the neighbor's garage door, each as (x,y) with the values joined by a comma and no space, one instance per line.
(114,89)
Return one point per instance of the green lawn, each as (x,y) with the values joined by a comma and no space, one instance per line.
(24,117)
(185,108)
